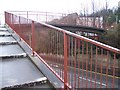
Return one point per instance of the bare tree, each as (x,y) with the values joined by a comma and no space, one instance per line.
(93,9)
(87,15)
(84,16)
(106,5)
(105,17)
(99,4)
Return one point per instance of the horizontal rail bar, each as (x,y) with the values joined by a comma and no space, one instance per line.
(37,12)
(84,38)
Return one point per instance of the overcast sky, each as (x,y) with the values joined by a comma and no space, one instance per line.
(62,6)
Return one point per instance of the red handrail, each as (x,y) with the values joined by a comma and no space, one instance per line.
(71,57)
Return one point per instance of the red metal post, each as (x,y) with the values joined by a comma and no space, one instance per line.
(114,62)
(86,64)
(5,17)
(33,37)
(19,30)
(79,64)
(101,68)
(60,60)
(68,60)
(75,63)
(96,63)
(72,61)
(82,60)
(107,62)
(12,22)
(91,63)
(65,61)
(6,14)
(10,19)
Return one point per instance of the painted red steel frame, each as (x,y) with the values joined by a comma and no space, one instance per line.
(66,85)
(83,39)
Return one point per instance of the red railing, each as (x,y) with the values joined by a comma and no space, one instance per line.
(39,16)
(76,60)
(61,18)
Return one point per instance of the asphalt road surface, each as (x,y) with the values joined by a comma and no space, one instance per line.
(89,80)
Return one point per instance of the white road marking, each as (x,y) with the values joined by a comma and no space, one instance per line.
(92,81)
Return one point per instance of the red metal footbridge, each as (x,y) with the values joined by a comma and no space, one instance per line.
(73,61)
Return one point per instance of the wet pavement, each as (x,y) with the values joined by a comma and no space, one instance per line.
(16,67)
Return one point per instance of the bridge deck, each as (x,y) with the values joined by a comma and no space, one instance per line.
(16,67)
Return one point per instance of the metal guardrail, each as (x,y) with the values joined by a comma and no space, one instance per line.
(76,60)
(61,18)
(39,16)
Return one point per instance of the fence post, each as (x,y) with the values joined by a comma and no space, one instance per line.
(5,17)
(46,17)
(65,61)
(33,37)
(12,22)
(27,14)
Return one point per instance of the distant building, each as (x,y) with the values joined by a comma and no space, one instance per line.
(90,21)
(70,19)
(75,19)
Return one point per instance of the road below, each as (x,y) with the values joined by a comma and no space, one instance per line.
(86,78)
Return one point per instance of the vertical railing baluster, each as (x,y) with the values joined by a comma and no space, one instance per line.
(33,37)
(96,63)
(69,60)
(86,65)
(114,62)
(72,61)
(101,68)
(79,58)
(91,63)
(65,61)
(107,63)
(75,64)
(82,61)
